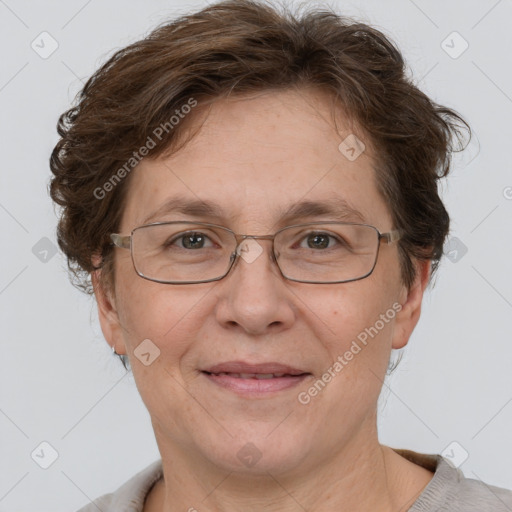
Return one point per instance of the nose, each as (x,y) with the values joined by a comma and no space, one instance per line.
(254,296)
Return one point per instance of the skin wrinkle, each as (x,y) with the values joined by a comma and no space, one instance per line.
(325,454)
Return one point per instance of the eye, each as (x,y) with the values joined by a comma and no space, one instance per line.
(190,240)
(321,240)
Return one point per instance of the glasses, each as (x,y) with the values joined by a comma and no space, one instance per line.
(182,252)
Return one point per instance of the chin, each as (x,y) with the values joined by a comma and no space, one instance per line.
(258,453)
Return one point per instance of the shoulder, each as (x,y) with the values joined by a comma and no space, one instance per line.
(450,490)
(470,494)
(131,495)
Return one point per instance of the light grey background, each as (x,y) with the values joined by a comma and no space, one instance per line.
(59,382)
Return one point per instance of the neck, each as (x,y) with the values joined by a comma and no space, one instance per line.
(361,476)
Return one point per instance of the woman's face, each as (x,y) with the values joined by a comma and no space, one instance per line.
(254,159)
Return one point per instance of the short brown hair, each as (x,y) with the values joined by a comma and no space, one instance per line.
(241,47)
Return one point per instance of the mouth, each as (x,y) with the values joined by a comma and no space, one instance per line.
(255,379)
(260,376)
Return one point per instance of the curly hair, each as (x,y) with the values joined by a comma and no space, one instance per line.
(236,48)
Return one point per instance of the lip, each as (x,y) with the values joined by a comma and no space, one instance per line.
(252,386)
(243,367)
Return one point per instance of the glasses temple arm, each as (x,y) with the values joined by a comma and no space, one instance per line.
(122,241)
(392,236)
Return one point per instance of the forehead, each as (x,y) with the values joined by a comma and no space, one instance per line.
(256,160)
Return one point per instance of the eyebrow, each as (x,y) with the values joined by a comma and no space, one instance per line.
(335,208)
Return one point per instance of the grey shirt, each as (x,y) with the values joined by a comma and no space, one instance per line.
(448,491)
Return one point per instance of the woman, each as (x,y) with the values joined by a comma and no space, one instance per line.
(254,197)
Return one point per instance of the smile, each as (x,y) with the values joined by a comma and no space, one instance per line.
(254,384)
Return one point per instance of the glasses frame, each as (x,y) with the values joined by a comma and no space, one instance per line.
(125,242)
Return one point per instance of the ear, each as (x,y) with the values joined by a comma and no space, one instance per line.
(108,315)
(410,299)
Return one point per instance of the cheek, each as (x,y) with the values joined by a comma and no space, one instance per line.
(355,324)
(160,329)
(164,314)
(358,340)
(351,309)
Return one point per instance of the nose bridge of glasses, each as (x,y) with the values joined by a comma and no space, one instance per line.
(240,238)
(248,247)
